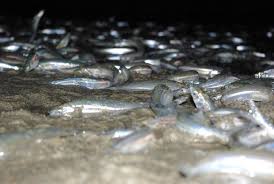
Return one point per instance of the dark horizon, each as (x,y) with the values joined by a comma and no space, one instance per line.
(225,12)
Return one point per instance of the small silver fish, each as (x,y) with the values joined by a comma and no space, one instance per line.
(250,137)
(191,124)
(162,95)
(218,81)
(205,72)
(188,76)
(148,85)
(56,65)
(261,120)
(35,24)
(247,163)
(94,106)
(122,76)
(144,70)
(267,74)
(118,133)
(248,92)
(267,146)
(7,67)
(83,82)
(136,142)
(95,71)
(201,99)
(64,42)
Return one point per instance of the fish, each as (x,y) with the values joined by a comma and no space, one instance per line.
(260,119)
(241,162)
(188,76)
(56,65)
(266,74)
(218,81)
(64,42)
(147,85)
(135,142)
(32,61)
(201,99)
(4,67)
(95,71)
(141,70)
(118,133)
(248,92)
(122,76)
(35,24)
(249,137)
(193,125)
(162,95)
(203,71)
(266,146)
(83,82)
(94,106)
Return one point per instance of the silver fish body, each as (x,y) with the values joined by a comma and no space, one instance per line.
(248,92)
(267,74)
(56,65)
(136,142)
(247,163)
(96,71)
(218,81)
(148,85)
(205,72)
(201,99)
(194,126)
(188,76)
(94,106)
(84,82)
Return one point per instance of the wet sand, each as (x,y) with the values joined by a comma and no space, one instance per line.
(87,157)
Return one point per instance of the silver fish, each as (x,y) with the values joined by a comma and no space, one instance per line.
(188,76)
(162,95)
(7,67)
(136,142)
(121,76)
(250,137)
(188,123)
(32,62)
(218,81)
(247,163)
(95,71)
(64,42)
(94,106)
(237,119)
(205,72)
(267,146)
(201,99)
(248,92)
(267,74)
(83,82)
(261,120)
(148,85)
(141,70)
(118,133)
(35,24)
(56,65)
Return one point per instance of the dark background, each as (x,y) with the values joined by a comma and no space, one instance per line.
(221,12)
